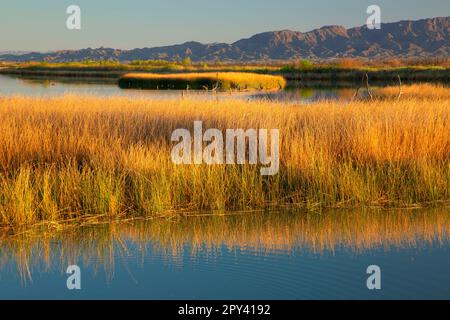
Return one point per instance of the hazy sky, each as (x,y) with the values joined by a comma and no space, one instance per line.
(41,25)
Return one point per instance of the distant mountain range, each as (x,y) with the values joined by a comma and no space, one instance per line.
(404,39)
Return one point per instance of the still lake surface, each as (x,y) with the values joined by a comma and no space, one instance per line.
(278,255)
(41,86)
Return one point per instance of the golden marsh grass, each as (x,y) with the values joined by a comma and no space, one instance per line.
(76,156)
(223,81)
(418,91)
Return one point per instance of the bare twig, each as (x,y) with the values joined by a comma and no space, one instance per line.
(400,89)
(357,90)
(369,92)
(217,84)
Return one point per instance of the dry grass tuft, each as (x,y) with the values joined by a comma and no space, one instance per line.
(242,81)
(417,91)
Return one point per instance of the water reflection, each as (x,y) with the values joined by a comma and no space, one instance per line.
(283,248)
(42,86)
(307,95)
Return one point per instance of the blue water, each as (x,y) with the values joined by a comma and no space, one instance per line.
(141,270)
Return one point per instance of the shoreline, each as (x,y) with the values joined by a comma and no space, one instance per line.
(328,74)
(102,219)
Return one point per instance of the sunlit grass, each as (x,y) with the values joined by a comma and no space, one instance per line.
(419,91)
(241,81)
(78,156)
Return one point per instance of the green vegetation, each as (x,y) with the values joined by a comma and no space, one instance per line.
(353,70)
(141,65)
(350,70)
(336,74)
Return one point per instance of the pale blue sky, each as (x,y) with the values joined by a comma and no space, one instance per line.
(40,25)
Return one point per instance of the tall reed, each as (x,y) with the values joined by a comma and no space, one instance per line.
(76,156)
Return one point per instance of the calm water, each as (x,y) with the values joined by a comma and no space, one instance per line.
(281,255)
(39,86)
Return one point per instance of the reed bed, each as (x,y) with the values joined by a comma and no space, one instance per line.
(418,91)
(75,156)
(222,81)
